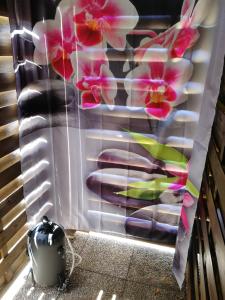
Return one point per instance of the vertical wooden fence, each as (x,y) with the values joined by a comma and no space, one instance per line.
(12,208)
(206,266)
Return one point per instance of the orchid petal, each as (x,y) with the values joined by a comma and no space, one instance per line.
(64,20)
(113,20)
(48,35)
(157,70)
(96,92)
(63,67)
(185,220)
(170,94)
(87,36)
(156,53)
(137,85)
(188,200)
(144,41)
(116,39)
(108,86)
(88,101)
(187,7)
(40,58)
(126,66)
(178,72)
(89,62)
(185,38)
(181,98)
(159,110)
(211,19)
(200,12)
(121,14)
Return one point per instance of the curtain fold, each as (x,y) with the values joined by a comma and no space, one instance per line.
(116,102)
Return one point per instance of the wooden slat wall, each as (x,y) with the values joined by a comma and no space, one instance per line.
(206,267)
(13,219)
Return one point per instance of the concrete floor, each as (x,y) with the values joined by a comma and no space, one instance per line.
(115,269)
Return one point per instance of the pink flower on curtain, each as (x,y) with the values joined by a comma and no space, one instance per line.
(184,39)
(95,79)
(104,20)
(188,200)
(158,86)
(55,41)
(180,173)
(182,36)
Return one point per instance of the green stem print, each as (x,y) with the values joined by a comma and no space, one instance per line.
(178,181)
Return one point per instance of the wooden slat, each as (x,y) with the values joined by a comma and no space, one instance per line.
(8,98)
(201,266)
(5,39)
(221,106)
(12,209)
(16,266)
(189,280)
(8,82)
(19,263)
(3,8)
(9,145)
(9,160)
(195,274)
(10,231)
(10,188)
(5,45)
(217,238)
(219,132)
(11,201)
(207,255)
(218,174)
(10,174)
(6,64)
(11,257)
(13,213)
(9,130)
(8,114)
(4,24)
(17,237)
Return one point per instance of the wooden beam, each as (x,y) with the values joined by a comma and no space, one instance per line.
(207,255)
(10,231)
(218,174)
(217,238)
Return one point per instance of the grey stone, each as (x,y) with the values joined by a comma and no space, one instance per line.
(150,266)
(106,257)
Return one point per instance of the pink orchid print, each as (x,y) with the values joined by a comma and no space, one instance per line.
(100,21)
(183,183)
(95,80)
(158,86)
(55,43)
(180,37)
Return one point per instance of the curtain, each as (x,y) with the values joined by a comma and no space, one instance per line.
(116,102)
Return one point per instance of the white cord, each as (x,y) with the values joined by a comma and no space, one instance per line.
(73,257)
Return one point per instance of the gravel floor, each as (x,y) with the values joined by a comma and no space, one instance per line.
(114,269)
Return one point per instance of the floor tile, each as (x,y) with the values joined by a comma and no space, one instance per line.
(83,285)
(106,257)
(79,241)
(88,285)
(149,266)
(138,291)
(115,268)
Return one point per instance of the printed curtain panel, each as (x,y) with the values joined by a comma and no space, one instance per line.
(116,101)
